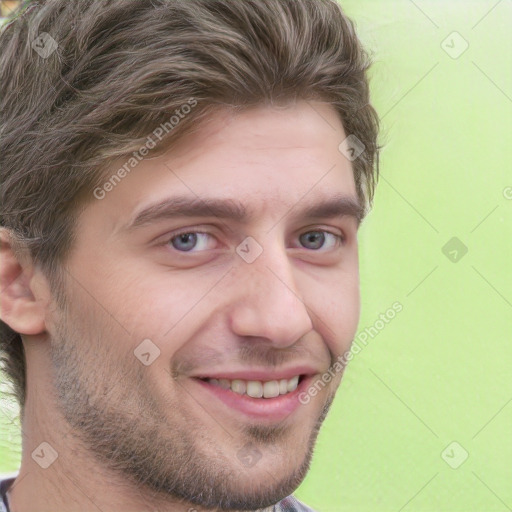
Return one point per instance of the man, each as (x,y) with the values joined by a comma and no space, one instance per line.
(182,186)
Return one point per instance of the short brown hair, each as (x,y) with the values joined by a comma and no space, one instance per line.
(120,68)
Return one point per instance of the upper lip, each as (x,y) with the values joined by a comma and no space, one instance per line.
(265,375)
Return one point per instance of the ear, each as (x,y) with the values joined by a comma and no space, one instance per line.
(20,308)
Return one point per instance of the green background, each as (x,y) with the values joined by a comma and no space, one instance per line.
(440,371)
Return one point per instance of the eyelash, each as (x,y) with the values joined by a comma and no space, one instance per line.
(340,238)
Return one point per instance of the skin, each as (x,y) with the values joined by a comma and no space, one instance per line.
(136,437)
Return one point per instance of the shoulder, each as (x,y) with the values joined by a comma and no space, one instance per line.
(6,479)
(291,504)
(5,482)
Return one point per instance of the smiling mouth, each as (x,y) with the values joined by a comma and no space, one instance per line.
(258,398)
(258,388)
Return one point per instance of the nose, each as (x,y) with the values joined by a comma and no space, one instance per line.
(268,303)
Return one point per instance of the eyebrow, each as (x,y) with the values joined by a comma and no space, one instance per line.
(231,209)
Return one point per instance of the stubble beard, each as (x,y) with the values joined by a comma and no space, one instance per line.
(110,406)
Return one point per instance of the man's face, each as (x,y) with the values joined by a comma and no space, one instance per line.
(213,304)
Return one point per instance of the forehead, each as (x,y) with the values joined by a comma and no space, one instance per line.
(306,125)
(263,157)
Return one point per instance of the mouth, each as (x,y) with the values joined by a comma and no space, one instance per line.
(257,388)
(260,399)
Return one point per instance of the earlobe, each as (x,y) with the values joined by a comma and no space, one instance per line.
(20,309)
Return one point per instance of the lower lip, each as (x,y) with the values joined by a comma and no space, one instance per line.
(273,409)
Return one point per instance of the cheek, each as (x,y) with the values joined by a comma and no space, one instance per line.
(337,310)
(166,308)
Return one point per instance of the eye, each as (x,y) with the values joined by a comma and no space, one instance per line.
(187,241)
(320,239)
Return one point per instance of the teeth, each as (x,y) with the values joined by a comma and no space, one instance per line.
(258,389)
(271,389)
(224,383)
(293,383)
(254,388)
(239,386)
